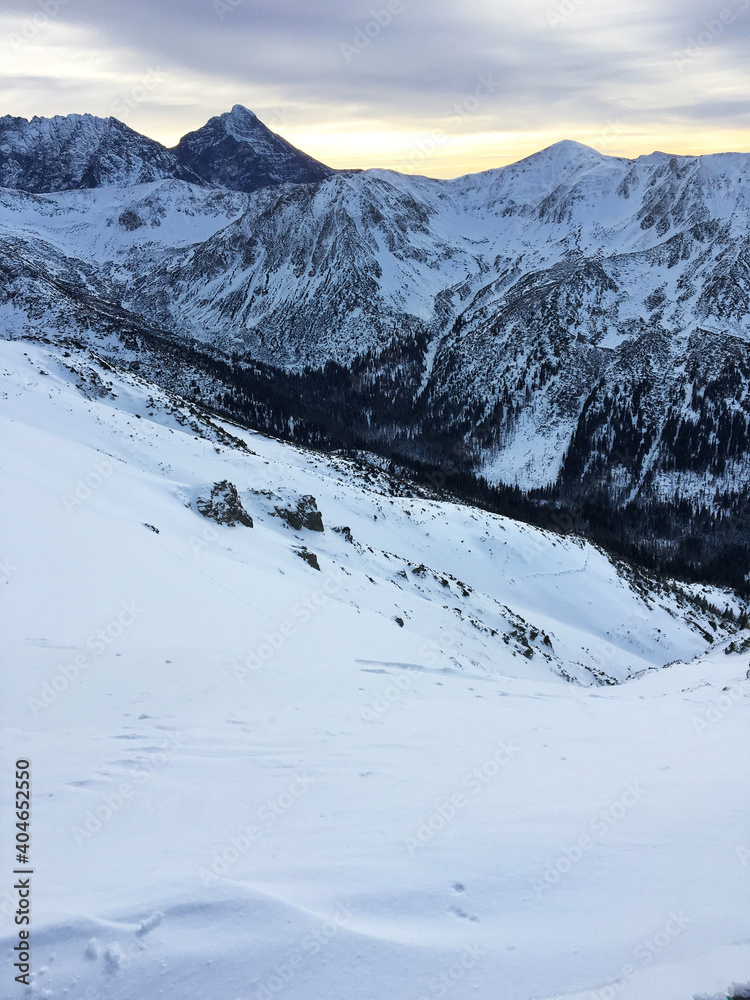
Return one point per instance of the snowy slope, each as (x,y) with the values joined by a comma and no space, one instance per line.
(111,223)
(253,778)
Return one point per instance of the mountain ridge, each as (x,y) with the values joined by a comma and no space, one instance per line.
(65,152)
(570,325)
(44,155)
(243,125)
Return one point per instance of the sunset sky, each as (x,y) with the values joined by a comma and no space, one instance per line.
(425,86)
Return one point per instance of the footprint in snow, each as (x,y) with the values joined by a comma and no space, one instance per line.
(458,912)
(92,951)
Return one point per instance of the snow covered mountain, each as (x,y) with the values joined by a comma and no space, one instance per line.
(536,296)
(299,728)
(80,151)
(573,324)
(302,722)
(236,150)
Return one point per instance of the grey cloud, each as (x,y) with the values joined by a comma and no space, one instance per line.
(602,60)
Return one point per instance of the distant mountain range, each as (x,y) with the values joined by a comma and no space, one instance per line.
(234,150)
(574,325)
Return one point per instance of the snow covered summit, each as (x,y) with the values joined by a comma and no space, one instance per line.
(80,151)
(237,151)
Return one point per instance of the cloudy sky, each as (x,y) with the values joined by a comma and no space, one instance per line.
(427,86)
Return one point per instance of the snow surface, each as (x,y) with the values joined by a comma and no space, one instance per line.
(257,783)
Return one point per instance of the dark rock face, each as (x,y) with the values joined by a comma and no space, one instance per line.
(237,151)
(310,558)
(224,505)
(304,515)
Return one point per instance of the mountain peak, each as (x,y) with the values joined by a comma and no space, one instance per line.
(570,146)
(236,150)
(568,150)
(240,122)
(240,112)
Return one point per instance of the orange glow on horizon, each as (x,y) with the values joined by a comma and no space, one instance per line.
(422,153)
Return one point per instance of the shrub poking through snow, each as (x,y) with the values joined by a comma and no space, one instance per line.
(224,505)
(737,991)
